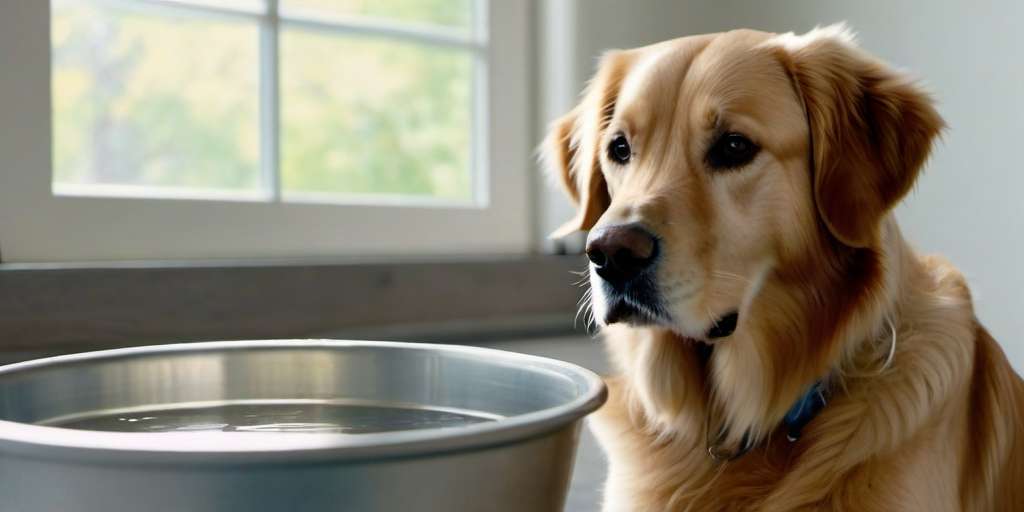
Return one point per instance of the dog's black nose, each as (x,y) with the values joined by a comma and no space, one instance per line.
(620,253)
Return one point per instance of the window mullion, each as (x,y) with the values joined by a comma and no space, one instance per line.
(478,167)
(270,102)
(368,26)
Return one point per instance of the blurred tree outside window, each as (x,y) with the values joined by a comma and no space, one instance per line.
(370,98)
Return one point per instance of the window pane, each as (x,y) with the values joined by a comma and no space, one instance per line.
(451,13)
(374,116)
(151,99)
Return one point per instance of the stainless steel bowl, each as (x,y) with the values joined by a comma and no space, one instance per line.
(514,452)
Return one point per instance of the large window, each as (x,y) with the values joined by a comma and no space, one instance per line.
(238,128)
(297,99)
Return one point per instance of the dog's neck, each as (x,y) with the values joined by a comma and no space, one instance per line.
(809,319)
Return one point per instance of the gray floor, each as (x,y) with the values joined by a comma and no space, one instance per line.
(588,476)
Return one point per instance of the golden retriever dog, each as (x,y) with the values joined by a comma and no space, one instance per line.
(779,345)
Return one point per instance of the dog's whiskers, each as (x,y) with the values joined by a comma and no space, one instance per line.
(581,305)
(585,307)
(591,325)
(584,277)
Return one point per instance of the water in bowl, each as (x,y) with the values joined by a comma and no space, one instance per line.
(276,416)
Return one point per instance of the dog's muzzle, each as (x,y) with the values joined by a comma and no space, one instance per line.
(624,257)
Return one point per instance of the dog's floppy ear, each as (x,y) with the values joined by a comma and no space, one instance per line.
(571,150)
(871,129)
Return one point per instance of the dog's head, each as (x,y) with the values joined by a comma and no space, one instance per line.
(710,168)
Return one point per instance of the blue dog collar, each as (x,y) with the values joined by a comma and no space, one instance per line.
(796,418)
(804,410)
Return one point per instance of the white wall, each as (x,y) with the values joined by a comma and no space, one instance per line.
(968,204)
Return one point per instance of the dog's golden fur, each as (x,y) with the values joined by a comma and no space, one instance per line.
(924,413)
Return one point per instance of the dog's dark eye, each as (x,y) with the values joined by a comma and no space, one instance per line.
(730,151)
(619,150)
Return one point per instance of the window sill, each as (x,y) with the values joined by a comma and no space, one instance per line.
(72,307)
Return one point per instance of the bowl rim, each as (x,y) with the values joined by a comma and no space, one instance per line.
(38,441)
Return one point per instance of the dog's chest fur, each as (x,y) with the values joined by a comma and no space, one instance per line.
(652,473)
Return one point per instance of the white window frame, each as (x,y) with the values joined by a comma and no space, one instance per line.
(38,225)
